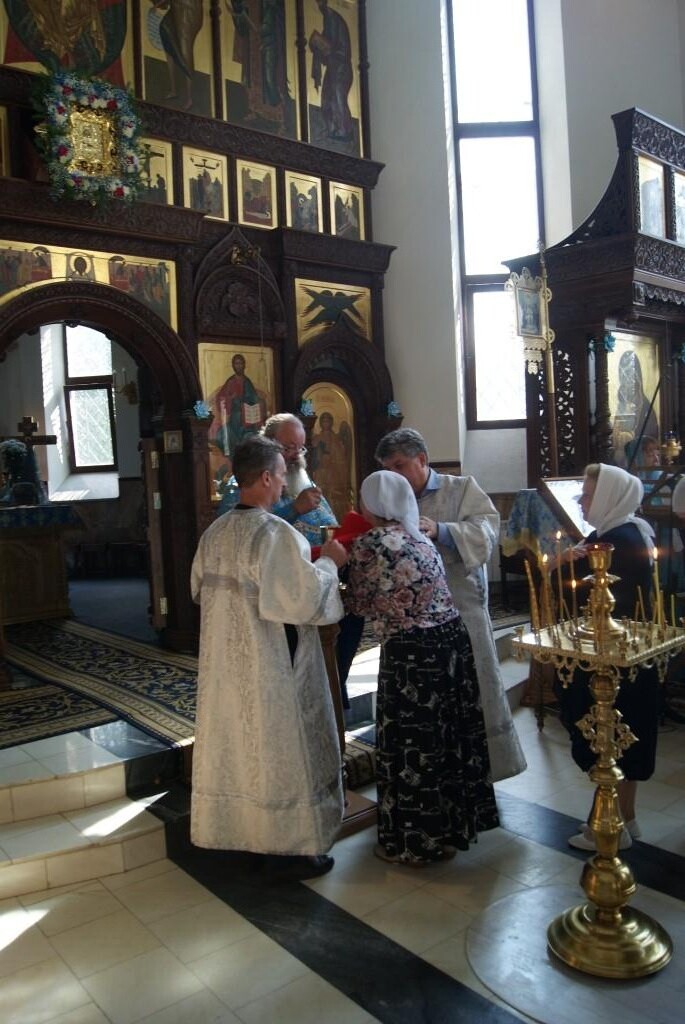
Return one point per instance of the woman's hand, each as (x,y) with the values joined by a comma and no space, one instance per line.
(567,556)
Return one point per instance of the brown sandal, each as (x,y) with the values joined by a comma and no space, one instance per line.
(394,858)
(382,854)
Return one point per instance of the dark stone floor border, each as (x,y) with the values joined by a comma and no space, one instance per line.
(386,980)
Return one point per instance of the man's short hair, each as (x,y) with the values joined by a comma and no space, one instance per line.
(274,423)
(405,441)
(252,457)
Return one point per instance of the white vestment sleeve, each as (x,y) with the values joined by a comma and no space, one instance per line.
(292,589)
(476,528)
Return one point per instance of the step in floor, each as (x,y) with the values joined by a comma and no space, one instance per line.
(60,849)
(69,810)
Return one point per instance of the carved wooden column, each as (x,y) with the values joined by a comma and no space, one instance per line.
(602,435)
(198,431)
(680,400)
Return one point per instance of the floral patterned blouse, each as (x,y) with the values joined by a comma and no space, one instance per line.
(397,583)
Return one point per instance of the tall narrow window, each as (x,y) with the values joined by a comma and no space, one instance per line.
(89,400)
(497,139)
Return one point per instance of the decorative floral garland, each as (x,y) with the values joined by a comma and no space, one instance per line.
(66,94)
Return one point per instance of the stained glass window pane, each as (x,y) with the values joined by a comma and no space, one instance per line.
(500,368)
(492,60)
(90,424)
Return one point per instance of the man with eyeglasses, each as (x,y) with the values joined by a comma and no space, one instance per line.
(302,504)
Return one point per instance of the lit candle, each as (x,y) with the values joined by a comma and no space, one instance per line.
(544,578)
(657,602)
(574,607)
(534,614)
(545,594)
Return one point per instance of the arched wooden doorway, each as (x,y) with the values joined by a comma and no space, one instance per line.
(173,389)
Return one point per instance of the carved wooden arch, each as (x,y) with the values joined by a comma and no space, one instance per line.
(183,479)
(140,331)
(236,293)
(342,358)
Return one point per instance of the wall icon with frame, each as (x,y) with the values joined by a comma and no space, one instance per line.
(205,182)
(156,172)
(238,384)
(256,194)
(304,208)
(347,211)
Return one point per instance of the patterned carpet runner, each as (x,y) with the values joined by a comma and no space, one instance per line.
(150,687)
(94,677)
(38,712)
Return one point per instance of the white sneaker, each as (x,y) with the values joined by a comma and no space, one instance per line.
(585,840)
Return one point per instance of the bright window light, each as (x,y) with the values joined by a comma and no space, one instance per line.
(492,59)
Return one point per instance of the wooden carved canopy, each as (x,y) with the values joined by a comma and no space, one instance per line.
(622,270)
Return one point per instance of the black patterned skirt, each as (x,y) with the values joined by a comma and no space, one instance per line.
(432,759)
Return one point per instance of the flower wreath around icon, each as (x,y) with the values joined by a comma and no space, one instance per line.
(89,136)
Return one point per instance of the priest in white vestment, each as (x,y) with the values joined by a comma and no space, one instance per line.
(267,760)
(464,524)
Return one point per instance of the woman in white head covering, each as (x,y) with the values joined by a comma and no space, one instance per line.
(432,765)
(609,500)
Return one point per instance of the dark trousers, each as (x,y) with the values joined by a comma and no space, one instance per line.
(351,628)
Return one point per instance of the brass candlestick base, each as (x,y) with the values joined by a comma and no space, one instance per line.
(606,937)
(640,946)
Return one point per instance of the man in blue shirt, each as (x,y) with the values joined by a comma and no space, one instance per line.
(459,517)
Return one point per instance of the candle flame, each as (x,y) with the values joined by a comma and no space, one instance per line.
(655,553)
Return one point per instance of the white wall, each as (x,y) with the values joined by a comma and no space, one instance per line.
(412,210)
(554,136)
(617,54)
(127,415)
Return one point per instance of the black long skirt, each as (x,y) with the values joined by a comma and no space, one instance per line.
(432,759)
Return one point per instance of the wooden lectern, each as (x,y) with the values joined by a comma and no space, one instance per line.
(360,812)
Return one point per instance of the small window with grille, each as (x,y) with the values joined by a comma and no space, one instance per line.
(88,386)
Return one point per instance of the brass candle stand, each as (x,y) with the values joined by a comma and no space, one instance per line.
(604,937)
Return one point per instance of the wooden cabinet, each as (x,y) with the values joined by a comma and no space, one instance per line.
(33,572)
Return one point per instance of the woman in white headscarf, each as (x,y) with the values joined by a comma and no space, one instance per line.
(432,765)
(608,501)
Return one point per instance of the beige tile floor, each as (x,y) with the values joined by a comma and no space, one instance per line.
(152,946)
